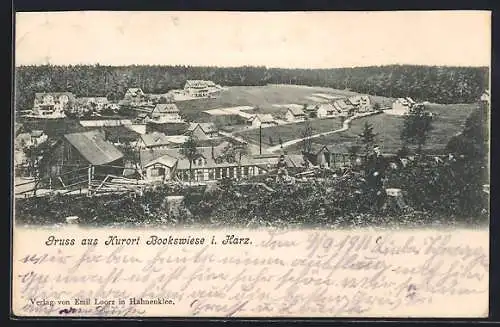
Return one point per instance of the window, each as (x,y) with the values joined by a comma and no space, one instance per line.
(157,171)
(245,171)
(218,173)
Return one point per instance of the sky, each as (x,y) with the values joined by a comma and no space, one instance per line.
(279,39)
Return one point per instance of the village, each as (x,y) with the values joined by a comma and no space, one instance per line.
(145,148)
(149,145)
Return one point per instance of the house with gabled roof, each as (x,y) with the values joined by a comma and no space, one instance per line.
(485,97)
(262,120)
(319,155)
(326,110)
(295,114)
(403,105)
(202,131)
(209,164)
(154,140)
(134,93)
(71,155)
(361,102)
(166,113)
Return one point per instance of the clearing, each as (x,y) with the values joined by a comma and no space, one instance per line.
(267,99)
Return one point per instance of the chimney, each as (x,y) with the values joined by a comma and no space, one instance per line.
(213,152)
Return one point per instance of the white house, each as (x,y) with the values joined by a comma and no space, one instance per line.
(161,169)
(166,113)
(262,120)
(295,114)
(200,88)
(326,110)
(402,105)
(485,96)
(52,103)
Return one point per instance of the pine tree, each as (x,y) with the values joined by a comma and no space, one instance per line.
(367,138)
(417,124)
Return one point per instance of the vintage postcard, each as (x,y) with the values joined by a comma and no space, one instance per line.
(251,164)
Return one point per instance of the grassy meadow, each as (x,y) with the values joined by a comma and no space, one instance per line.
(448,121)
(263,97)
(272,135)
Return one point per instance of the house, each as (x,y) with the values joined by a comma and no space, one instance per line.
(166,113)
(160,168)
(78,156)
(361,102)
(326,110)
(295,114)
(403,105)
(50,104)
(262,120)
(485,97)
(37,137)
(134,94)
(344,106)
(208,164)
(203,131)
(201,88)
(319,155)
(155,140)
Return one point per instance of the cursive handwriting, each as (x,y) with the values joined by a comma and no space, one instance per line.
(282,273)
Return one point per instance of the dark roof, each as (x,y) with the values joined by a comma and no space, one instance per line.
(162,108)
(317,148)
(120,133)
(264,118)
(296,111)
(154,139)
(93,147)
(39,95)
(206,127)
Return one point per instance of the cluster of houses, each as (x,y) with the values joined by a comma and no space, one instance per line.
(157,158)
(54,105)
(337,107)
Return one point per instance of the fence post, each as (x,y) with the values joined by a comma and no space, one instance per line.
(89,192)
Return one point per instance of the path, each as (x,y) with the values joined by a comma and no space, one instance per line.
(345,126)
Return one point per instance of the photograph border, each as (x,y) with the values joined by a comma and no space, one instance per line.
(149,5)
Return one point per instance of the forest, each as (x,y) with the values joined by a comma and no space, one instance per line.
(436,84)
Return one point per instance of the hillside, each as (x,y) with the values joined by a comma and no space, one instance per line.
(448,121)
(431,83)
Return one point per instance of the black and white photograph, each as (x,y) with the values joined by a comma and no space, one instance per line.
(270,164)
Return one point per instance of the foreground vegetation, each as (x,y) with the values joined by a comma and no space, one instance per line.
(432,194)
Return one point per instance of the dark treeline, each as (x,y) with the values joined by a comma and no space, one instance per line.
(431,83)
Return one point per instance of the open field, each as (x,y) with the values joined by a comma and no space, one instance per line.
(289,131)
(264,97)
(448,121)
